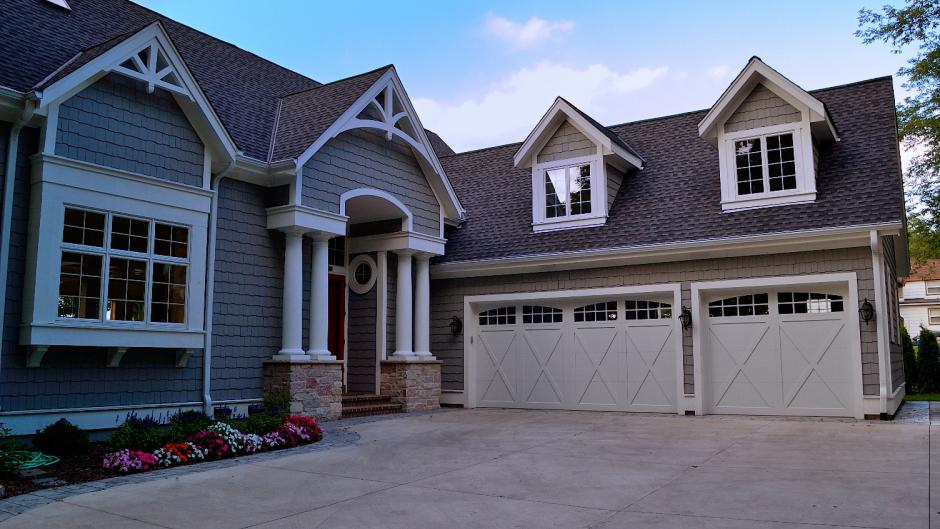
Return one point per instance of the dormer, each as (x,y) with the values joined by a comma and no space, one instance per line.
(767,131)
(577,167)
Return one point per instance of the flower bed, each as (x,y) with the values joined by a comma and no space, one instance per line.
(218,441)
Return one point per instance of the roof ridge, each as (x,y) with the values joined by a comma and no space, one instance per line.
(323,85)
(482,149)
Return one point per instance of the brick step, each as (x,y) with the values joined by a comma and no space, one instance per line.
(366,410)
(364,398)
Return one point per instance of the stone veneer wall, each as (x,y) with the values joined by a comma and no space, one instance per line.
(414,385)
(315,388)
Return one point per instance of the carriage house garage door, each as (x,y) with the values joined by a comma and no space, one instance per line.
(780,351)
(609,352)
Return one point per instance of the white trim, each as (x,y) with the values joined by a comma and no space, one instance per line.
(783,242)
(756,71)
(881,319)
(306,219)
(356,286)
(370,192)
(440,185)
(471,323)
(699,315)
(598,214)
(400,240)
(556,114)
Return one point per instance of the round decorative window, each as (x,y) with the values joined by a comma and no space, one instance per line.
(361,275)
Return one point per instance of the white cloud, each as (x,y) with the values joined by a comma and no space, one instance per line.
(525,35)
(513,105)
(719,72)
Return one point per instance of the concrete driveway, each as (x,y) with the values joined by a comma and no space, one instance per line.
(500,468)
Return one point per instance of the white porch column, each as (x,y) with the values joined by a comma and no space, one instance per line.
(292,317)
(320,300)
(422,306)
(403,306)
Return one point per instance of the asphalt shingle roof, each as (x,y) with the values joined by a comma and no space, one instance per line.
(676,197)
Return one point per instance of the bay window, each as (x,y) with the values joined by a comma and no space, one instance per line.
(137,265)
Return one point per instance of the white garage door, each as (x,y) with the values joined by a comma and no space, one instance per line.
(780,352)
(609,354)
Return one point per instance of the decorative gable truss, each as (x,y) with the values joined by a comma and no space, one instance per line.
(767,130)
(386,107)
(148,56)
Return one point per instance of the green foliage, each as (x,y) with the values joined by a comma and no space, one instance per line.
(277,403)
(137,434)
(911,373)
(62,438)
(184,424)
(257,423)
(923,238)
(928,362)
(8,445)
(916,25)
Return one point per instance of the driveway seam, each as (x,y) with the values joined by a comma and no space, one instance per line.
(712,517)
(116,514)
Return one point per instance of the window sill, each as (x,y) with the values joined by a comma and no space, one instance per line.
(95,334)
(767,201)
(569,223)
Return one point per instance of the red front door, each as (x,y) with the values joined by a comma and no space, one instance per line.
(337,320)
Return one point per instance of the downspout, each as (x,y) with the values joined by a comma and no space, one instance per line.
(9,181)
(210,290)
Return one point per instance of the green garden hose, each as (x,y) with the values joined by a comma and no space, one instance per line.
(24,460)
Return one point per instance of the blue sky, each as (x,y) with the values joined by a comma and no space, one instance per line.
(482,73)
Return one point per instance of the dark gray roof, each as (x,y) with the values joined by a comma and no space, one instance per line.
(620,142)
(676,197)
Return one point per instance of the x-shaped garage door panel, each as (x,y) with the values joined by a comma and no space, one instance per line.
(651,371)
(543,366)
(745,365)
(596,364)
(496,367)
(814,372)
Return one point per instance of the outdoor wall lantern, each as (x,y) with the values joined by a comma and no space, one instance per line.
(685,316)
(456,326)
(866,312)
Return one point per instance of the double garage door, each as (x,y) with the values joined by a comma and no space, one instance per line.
(597,354)
(771,351)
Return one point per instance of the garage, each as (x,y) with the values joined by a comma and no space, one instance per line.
(789,350)
(615,352)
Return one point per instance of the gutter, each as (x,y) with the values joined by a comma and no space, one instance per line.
(9,181)
(210,291)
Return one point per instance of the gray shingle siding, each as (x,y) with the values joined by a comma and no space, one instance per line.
(360,348)
(364,159)
(447,296)
(249,271)
(895,350)
(116,123)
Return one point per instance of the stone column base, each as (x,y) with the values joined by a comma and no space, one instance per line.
(315,387)
(416,385)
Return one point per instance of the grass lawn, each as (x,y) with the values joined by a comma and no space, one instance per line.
(923,396)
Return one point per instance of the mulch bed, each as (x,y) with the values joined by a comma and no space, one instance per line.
(68,471)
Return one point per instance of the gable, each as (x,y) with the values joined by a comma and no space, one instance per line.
(761,108)
(116,123)
(566,142)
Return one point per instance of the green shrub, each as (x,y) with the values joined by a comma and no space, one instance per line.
(8,445)
(137,434)
(277,403)
(911,372)
(185,424)
(928,362)
(257,423)
(62,438)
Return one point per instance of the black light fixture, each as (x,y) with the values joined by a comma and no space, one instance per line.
(866,312)
(456,326)
(685,316)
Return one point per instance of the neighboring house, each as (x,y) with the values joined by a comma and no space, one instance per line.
(920,298)
(187,225)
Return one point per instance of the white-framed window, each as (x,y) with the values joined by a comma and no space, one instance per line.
(568,193)
(933,288)
(767,166)
(499,316)
(121,268)
(604,311)
(639,309)
(808,303)
(532,314)
(933,316)
(361,275)
(745,305)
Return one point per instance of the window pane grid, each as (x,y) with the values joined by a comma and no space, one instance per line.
(746,305)
(171,241)
(933,316)
(647,310)
(579,187)
(498,316)
(750,170)
(540,314)
(168,294)
(80,286)
(781,167)
(83,227)
(130,235)
(568,191)
(808,303)
(933,288)
(605,311)
(127,285)
(555,193)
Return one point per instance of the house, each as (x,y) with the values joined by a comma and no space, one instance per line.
(186,225)
(920,298)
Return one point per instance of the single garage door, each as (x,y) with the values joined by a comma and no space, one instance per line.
(780,352)
(598,354)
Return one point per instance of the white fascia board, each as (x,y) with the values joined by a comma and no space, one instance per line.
(806,240)
(558,112)
(110,335)
(391,242)
(440,185)
(306,219)
(756,71)
(109,60)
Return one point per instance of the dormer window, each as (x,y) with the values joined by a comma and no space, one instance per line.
(568,191)
(765,164)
